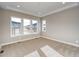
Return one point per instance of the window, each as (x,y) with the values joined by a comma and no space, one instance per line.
(34,26)
(29,26)
(26,26)
(44,25)
(23,26)
(15,26)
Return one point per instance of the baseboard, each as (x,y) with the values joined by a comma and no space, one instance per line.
(4,44)
(47,37)
(65,42)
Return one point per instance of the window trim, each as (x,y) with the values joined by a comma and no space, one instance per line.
(45,26)
(22,33)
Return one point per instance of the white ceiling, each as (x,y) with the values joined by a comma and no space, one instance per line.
(39,9)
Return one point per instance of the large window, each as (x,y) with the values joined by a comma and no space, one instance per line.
(15,26)
(23,26)
(34,26)
(30,26)
(26,26)
(44,25)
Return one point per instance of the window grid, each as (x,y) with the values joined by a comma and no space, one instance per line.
(18,26)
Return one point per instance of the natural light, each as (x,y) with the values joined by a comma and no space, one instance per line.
(23,26)
(46,50)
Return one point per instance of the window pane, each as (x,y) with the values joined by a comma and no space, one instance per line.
(15,26)
(44,25)
(26,26)
(34,25)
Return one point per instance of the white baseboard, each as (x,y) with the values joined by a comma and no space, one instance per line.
(65,42)
(47,37)
(4,44)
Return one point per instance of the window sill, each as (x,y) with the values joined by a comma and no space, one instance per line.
(24,35)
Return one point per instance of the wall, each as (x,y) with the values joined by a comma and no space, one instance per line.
(64,25)
(5,26)
(0,25)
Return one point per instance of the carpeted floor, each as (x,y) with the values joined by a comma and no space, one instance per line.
(39,47)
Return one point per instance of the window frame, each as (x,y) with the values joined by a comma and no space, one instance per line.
(22,29)
(43,26)
(14,35)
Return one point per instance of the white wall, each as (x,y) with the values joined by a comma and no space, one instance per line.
(5,27)
(64,25)
(0,26)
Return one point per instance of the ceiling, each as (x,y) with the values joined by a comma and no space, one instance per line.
(39,9)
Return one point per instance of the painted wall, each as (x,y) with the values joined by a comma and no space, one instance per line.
(64,25)
(1,14)
(0,26)
(5,26)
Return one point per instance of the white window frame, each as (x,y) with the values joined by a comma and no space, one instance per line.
(14,35)
(45,26)
(22,30)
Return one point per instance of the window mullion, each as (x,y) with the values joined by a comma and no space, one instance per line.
(31,24)
(22,27)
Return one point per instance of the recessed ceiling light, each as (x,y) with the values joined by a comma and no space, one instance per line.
(63,2)
(18,6)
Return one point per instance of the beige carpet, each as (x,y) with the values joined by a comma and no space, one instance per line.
(40,47)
